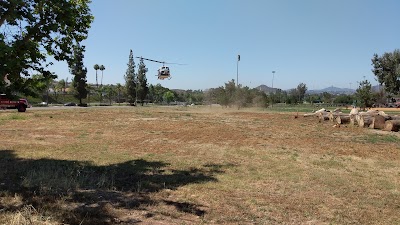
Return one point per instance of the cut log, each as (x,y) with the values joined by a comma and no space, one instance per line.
(370,113)
(364,121)
(323,116)
(343,119)
(392,125)
(353,119)
(333,116)
(310,115)
(378,122)
(395,117)
(320,110)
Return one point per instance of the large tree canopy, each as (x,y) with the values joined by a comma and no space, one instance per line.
(31,30)
(387,70)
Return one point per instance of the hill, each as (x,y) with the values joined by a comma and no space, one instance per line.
(266,89)
(332,90)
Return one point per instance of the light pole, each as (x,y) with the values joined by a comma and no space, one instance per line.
(237,71)
(273,75)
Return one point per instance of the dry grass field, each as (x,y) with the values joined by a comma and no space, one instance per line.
(176,165)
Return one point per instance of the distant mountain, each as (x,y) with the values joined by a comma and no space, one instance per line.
(333,90)
(266,89)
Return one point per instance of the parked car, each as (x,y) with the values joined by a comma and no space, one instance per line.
(70,104)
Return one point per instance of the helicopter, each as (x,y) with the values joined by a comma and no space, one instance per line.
(163,71)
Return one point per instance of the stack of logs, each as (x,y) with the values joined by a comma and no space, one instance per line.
(374,119)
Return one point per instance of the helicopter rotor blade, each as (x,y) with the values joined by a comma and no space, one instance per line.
(150,60)
(161,62)
(179,64)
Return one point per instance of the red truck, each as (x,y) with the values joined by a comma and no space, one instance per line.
(6,103)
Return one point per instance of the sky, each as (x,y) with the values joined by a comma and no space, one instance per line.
(321,43)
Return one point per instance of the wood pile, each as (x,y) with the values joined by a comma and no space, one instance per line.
(373,119)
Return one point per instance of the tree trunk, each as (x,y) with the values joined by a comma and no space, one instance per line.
(392,125)
(343,119)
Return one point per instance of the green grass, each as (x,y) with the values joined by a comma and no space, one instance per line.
(303,108)
(378,138)
(14,117)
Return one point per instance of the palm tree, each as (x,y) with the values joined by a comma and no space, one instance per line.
(101,68)
(96,67)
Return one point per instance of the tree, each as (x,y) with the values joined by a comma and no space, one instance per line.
(387,70)
(156,93)
(142,88)
(260,99)
(130,81)
(119,88)
(327,97)
(293,96)
(40,86)
(364,93)
(102,68)
(61,85)
(79,71)
(169,96)
(90,89)
(344,99)
(96,67)
(230,89)
(301,91)
(30,30)
(110,91)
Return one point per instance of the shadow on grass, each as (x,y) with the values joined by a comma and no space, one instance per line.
(77,192)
